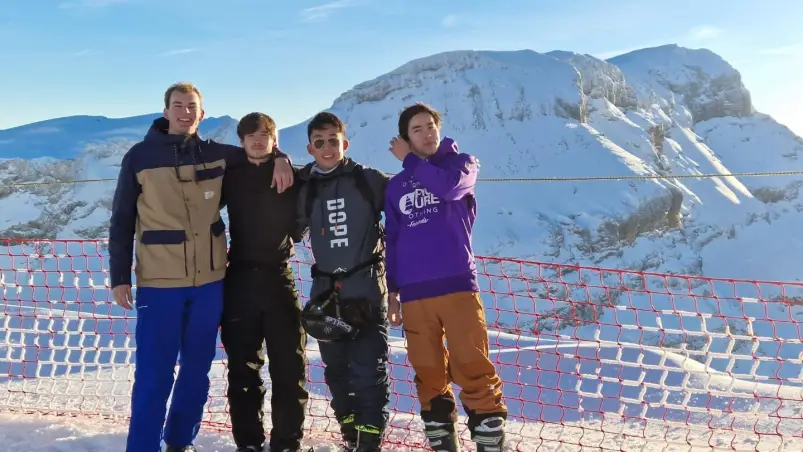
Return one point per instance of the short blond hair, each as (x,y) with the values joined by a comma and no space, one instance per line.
(184,88)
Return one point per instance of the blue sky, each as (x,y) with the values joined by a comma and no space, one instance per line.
(292,58)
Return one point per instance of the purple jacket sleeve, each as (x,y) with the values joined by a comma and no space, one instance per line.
(391,235)
(451,183)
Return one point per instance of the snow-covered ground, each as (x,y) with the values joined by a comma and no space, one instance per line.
(598,357)
(608,390)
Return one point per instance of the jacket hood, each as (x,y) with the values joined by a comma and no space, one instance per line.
(446,148)
(307,172)
(158,133)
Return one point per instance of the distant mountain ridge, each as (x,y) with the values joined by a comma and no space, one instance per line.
(65,137)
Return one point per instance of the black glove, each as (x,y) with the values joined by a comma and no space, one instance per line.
(357,312)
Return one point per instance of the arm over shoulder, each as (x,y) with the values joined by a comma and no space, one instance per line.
(234,155)
(391,237)
(302,222)
(451,181)
(378,181)
(294,197)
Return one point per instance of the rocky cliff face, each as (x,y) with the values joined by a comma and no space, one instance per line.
(464,75)
(600,79)
(699,80)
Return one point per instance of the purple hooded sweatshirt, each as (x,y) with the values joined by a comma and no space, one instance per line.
(429,214)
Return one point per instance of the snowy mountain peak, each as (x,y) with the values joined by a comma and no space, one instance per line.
(474,75)
(670,75)
(672,58)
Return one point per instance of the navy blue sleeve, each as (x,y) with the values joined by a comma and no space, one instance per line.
(302,222)
(235,155)
(277,154)
(122,225)
(224,188)
(296,229)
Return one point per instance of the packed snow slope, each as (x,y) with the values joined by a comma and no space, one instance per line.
(657,111)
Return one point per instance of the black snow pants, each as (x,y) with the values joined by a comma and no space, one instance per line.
(261,305)
(356,371)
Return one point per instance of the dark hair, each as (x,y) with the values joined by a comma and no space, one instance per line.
(324,119)
(184,88)
(408,113)
(252,122)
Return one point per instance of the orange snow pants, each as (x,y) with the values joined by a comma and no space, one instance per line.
(461,318)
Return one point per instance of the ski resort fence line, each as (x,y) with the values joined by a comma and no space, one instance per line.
(591,358)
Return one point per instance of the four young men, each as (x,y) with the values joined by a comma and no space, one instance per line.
(421,267)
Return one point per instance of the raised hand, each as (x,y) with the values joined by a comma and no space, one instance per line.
(399,147)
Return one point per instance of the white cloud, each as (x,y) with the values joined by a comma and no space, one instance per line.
(705,33)
(90,3)
(322,12)
(449,21)
(787,50)
(179,52)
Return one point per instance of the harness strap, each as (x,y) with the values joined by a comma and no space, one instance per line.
(337,281)
(338,277)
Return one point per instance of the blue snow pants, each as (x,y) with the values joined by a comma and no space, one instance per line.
(172,323)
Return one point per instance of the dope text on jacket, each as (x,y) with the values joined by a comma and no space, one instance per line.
(339,213)
(337,222)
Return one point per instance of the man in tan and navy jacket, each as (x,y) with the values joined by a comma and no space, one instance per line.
(168,199)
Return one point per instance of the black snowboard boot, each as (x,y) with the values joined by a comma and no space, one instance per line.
(488,431)
(369,439)
(442,437)
(349,434)
(180,449)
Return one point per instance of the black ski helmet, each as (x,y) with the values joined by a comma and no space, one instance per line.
(321,322)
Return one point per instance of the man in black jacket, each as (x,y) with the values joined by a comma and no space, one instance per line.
(261,302)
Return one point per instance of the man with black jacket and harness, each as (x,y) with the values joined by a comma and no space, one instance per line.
(340,203)
(261,303)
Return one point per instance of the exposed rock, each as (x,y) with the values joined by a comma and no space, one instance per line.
(600,79)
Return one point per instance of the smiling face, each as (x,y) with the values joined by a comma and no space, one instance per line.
(184,111)
(327,145)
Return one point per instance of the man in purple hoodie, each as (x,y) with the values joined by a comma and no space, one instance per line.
(430,211)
